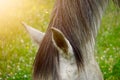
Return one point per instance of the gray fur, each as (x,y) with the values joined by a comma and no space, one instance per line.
(79,21)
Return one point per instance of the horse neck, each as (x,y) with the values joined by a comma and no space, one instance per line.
(98,11)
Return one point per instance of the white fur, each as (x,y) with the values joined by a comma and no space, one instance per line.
(68,68)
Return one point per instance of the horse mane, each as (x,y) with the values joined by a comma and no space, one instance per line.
(79,21)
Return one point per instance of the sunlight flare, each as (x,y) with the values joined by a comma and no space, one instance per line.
(9,6)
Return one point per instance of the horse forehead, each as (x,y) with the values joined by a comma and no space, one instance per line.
(68,69)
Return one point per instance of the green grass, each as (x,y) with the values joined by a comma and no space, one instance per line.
(17,52)
(108,44)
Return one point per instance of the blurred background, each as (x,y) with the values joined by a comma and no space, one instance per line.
(17,51)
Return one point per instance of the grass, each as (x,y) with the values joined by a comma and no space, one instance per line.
(17,51)
(108,47)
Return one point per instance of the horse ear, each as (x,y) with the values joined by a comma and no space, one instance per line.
(36,35)
(60,41)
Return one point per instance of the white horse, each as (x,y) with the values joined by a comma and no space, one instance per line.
(67,60)
(68,67)
(66,50)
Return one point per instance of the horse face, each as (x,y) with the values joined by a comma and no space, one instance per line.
(68,68)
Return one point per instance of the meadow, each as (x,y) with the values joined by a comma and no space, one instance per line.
(17,50)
